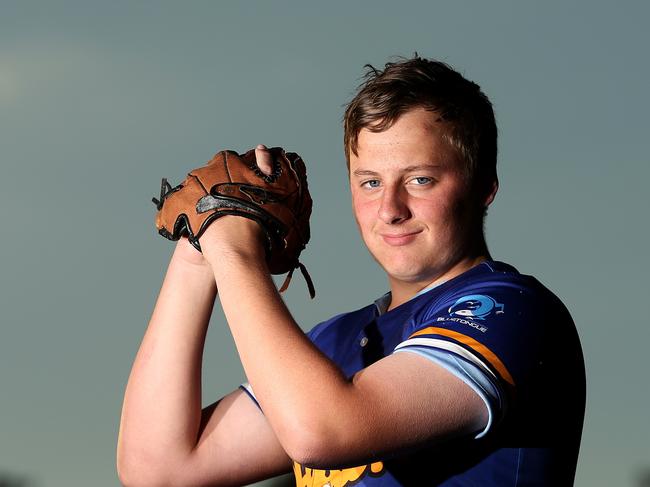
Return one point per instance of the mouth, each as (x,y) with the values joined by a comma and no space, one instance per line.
(398,239)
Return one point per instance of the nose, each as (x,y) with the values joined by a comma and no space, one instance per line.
(393,208)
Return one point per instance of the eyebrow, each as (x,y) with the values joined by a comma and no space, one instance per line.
(415,167)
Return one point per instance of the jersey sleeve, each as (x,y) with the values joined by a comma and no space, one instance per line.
(488,336)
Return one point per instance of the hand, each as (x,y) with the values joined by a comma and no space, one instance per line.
(234,233)
(266,187)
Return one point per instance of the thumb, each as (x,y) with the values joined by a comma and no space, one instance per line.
(264,159)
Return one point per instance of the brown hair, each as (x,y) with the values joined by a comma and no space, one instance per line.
(413,83)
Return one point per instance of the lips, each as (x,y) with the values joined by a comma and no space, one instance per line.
(397,239)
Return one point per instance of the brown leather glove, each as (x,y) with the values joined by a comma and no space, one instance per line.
(233,184)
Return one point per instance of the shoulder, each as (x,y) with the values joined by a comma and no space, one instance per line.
(493,290)
(332,331)
(503,321)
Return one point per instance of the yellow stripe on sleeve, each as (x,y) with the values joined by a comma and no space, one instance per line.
(489,355)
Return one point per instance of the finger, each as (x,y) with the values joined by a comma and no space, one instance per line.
(264,159)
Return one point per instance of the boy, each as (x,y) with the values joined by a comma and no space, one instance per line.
(465,373)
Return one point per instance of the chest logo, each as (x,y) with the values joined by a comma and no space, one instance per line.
(476,306)
(308,477)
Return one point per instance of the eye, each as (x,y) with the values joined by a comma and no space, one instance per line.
(421,180)
(371,183)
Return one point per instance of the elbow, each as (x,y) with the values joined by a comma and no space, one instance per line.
(313,445)
(320,442)
(138,466)
(304,450)
(298,437)
(132,473)
(323,454)
(322,437)
(129,478)
(138,480)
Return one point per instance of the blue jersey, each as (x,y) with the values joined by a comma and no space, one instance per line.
(506,336)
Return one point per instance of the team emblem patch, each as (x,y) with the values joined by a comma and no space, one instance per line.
(476,306)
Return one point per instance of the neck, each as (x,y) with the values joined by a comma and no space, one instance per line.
(403,291)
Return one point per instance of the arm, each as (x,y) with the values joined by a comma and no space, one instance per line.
(321,418)
(165,438)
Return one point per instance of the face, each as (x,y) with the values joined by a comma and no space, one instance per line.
(411,200)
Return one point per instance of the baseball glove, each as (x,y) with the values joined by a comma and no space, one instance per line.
(233,184)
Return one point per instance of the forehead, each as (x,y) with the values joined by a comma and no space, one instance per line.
(415,138)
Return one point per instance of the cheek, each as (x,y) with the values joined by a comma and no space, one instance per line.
(435,211)
(442,213)
(461,224)
(364,211)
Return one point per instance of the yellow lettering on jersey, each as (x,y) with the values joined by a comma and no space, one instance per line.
(310,477)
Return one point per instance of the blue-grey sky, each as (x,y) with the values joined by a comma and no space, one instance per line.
(99,100)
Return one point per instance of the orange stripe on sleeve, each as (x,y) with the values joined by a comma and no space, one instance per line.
(474,345)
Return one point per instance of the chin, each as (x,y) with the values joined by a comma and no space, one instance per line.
(412,269)
(412,277)
(407,273)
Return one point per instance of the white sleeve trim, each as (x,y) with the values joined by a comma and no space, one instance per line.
(449,346)
(249,390)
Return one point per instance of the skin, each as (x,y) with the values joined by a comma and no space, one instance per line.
(413,206)
(312,413)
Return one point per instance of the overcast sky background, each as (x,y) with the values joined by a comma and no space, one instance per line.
(99,100)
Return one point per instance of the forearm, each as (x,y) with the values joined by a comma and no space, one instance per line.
(162,404)
(297,386)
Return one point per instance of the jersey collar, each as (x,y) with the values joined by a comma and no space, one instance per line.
(383,302)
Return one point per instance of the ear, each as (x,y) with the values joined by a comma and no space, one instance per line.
(491,194)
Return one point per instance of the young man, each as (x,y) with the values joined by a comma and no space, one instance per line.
(465,373)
